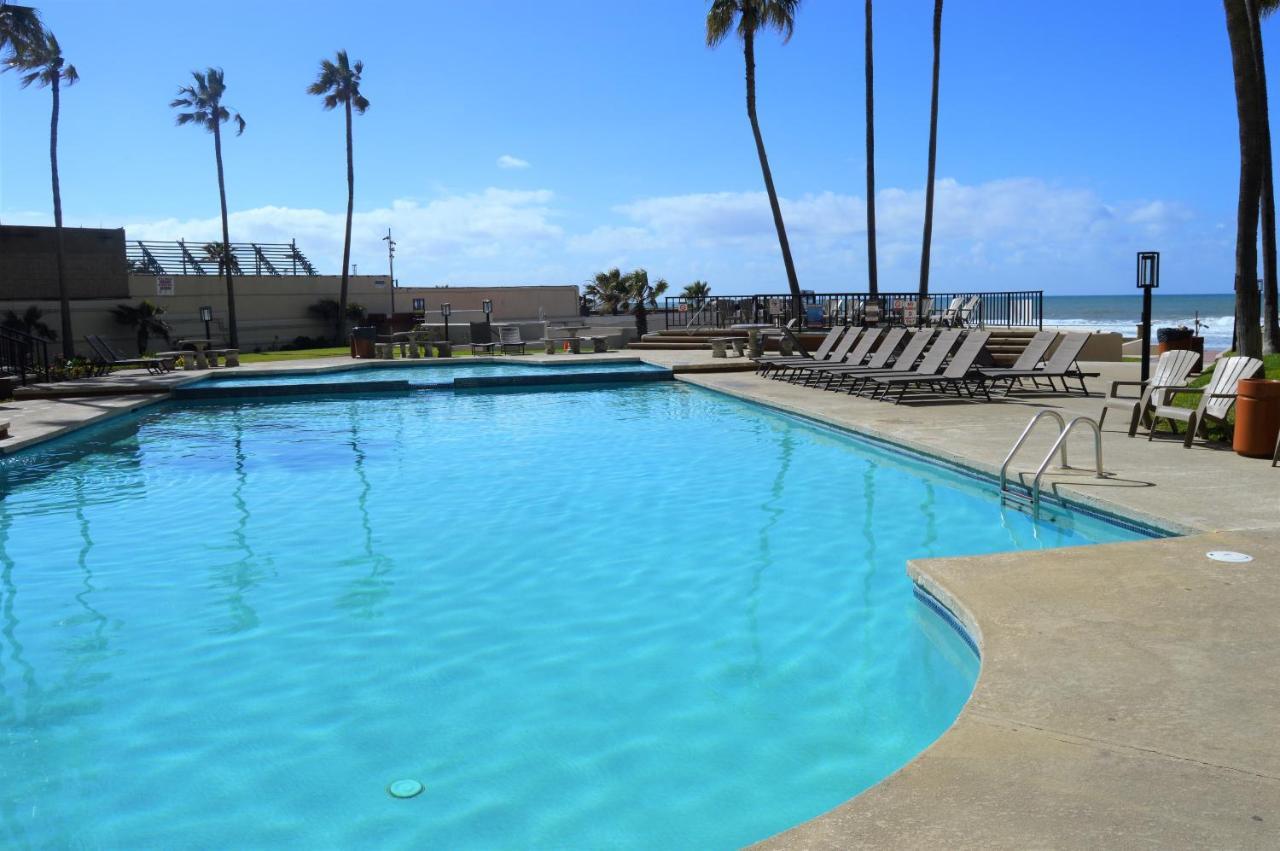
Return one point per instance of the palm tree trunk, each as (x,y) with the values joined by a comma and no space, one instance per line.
(64,299)
(1270,320)
(1247,331)
(933,152)
(346,244)
(873,284)
(748,49)
(232,336)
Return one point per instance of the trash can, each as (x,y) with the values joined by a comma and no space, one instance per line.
(362,342)
(1257,417)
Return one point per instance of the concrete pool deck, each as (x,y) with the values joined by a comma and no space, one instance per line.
(1128,694)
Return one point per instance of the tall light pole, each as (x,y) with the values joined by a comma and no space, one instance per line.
(391,267)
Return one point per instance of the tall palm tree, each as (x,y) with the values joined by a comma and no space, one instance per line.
(30,321)
(216,252)
(38,58)
(203,100)
(873,281)
(1240,16)
(933,152)
(752,16)
(339,83)
(1270,294)
(639,296)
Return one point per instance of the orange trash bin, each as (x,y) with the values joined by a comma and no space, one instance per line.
(1257,417)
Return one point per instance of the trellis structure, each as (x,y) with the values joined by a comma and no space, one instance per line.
(204,258)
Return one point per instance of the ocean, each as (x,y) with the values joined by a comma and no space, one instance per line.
(1123,312)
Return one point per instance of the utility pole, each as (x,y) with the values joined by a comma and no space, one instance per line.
(391,267)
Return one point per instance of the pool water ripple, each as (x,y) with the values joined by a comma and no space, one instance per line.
(641,617)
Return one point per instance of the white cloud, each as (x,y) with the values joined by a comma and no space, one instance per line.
(508,161)
(1018,234)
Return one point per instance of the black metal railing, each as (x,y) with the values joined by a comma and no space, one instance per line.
(998,309)
(200,258)
(24,357)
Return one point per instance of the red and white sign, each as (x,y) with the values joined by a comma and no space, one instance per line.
(164,285)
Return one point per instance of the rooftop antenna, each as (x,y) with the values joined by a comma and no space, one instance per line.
(391,267)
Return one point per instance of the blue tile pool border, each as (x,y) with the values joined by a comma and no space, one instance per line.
(940,609)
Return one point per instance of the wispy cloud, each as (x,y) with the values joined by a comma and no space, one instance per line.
(508,161)
(1016,234)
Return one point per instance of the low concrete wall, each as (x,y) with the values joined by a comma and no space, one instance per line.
(272,311)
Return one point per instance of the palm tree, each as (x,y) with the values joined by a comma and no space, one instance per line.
(30,321)
(339,83)
(204,102)
(933,152)
(873,281)
(752,16)
(638,296)
(216,251)
(144,319)
(39,59)
(19,26)
(1270,308)
(697,292)
(607,290)
(1241,15)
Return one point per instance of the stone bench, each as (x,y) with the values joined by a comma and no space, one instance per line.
(230,357)
(187,357)
(718,345)
(4,430)
(599,344)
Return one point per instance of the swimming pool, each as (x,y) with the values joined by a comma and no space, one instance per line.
(430,373)
(643,616)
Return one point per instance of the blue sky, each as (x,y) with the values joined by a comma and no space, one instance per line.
(539,143)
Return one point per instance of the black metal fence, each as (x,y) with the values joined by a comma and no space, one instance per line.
(1000,309)
(23,356)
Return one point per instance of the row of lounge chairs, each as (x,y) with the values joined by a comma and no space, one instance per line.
(888,363)
(105,358)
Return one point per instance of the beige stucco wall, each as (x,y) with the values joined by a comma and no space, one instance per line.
(272,311)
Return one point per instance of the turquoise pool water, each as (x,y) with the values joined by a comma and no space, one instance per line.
(635,617)
(429,373)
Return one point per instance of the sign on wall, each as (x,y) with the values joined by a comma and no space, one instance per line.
(379,282)
(164,285)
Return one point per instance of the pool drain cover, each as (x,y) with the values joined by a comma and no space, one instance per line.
(405,789)
(1229,556)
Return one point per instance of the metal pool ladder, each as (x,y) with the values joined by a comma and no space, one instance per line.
(1059,447)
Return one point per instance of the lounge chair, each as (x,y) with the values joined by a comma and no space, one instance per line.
(861,358)
(1171,371)
(1033,355)
(947,315)
(1216,398)
(964,316)
(764,363)
(930,362)
(482,338)
(958,374)
(106,358)
(880,362)
(843,354)
(509,338)
(1061,364)
(852,339)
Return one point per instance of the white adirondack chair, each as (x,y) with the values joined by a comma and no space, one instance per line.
(1171,370)
(1216,398)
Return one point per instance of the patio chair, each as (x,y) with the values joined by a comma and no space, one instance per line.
(842,354)
(958,374)
(1216,399)
(930,362)
(947,315)
(482,338)
(1171,370)
(824,348)
(885,359)
(106,358)
(1061,364)
(964,316)
(835,355)
(509,338)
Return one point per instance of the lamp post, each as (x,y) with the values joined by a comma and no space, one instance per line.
(487,307)
(206,316)
(391,268)
(445,310)
(1148,280)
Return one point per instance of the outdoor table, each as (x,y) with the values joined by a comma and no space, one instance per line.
(550,345)
(202,360)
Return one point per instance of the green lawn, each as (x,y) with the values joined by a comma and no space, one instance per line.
(1191,400)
